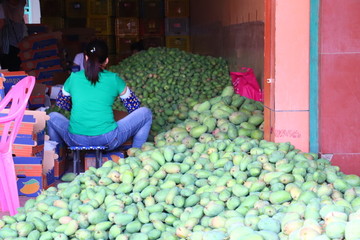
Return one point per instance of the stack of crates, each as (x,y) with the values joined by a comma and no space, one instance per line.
(40,56)
(126,26)
(177,29)
(52,14)
(75,13)
(152,28)
(100,16)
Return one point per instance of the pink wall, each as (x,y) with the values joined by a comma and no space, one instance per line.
(290,87)
(340,83)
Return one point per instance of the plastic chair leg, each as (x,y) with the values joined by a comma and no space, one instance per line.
(3,204)
(13,186)
(8,181)
(4,181)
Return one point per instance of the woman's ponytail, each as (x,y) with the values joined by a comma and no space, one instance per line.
(96,53)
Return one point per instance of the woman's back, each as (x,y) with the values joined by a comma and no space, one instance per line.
(92,112)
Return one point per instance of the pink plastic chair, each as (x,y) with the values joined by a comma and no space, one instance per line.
(16,99)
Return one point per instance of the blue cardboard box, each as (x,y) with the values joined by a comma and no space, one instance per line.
(32,175)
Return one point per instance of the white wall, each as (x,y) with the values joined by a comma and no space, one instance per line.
(34,14)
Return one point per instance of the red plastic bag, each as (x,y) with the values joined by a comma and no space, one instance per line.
(245,84)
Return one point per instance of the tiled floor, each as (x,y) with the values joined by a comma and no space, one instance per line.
(23,199)
(68,168)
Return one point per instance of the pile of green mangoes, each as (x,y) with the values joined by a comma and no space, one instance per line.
(226,116)
(169,81)
(191,183)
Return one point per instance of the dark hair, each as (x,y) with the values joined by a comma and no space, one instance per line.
(97,53)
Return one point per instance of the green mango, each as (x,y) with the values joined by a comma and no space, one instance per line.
(68,177)
(256,119)
(133,226)
(227,91)
(279,197)
(221,113)
(96,216)
(83,234)
(202,107)
(197,131)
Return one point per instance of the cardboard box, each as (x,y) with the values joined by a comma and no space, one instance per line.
(51,158)
(2,91)
(54,91)
(76,8)
(26,126)
(49,51)
(40,40)
(25,146)
(37,97)
(41,118)
(90,160)
(60,161)
(59,167)
(125,27)
(45,73)
(151,27)
(11,78)
(152,9)
(177,26)
(100,8)
(180,42)
(41,63)
(33,175)
(31,136)
(177,8)
(127,8)
(103,25)
(36,28)
(34,168)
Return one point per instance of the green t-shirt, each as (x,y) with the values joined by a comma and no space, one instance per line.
(91,112)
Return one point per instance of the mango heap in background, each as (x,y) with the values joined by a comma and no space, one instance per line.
(170,81)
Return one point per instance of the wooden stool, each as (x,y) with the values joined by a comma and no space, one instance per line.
(76,151)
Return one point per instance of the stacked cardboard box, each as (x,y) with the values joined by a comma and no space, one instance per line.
(152,23)
(177,29)
(34,167)
(90,159)
(52,13)
(37,97)
(40,56)
(100,16)
(60,161)
(126,27)
(75,13)
(2,91)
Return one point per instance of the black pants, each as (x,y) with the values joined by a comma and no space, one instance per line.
(11,61)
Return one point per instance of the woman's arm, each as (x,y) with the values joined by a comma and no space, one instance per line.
(129,99)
